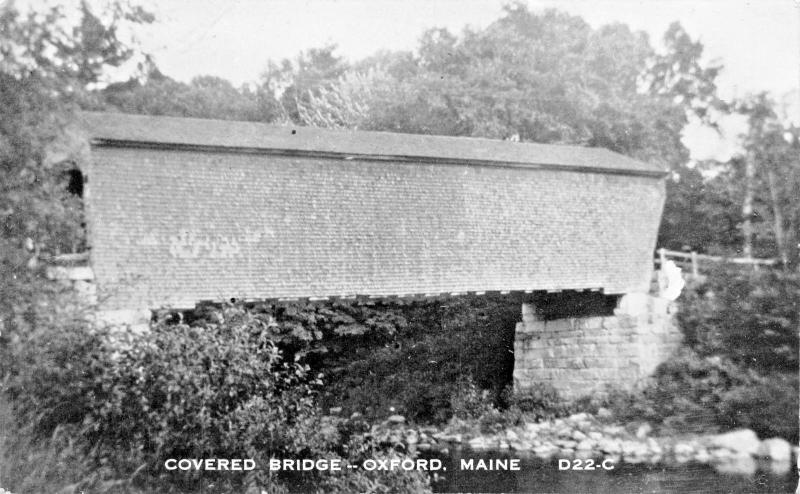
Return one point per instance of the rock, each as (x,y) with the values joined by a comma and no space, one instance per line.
(567,452)
(396,419)
(702,456)
(604,413)
(722,454)
(564,432)
(452,438)
(579,417)
(779,467)
(511,435)
(644,430)
(479,443)
(634,452)
(565,443)
(595,435)
(740,442)
(335,410)
(610,446)
(355,416)
(532,427)
(578,436)
(545,451)
(520,446)
(683,452)
(776,449)
(738,464)
(412,437)
(613,430)
(586,444)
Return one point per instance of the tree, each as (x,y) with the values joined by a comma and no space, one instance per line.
(47,65)
(772,174)
(539,77)
(293,83)
(203,97)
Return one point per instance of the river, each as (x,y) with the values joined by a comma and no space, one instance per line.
(537,475)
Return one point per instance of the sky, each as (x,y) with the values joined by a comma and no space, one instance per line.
(758,42)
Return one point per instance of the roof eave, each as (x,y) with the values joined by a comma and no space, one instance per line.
(416,159)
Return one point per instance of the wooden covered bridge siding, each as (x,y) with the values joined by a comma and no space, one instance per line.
(186,210)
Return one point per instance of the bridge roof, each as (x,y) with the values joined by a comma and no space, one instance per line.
(118,129)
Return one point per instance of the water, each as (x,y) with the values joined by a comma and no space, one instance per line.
(536,476)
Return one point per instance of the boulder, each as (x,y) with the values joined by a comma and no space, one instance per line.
(480,443)
(740,442)
(776,449)
(683,452)
(520,445)
(610,446)
(452,438)
(396,419)
(578,436)
(546,450)
(739,465)
(604,413)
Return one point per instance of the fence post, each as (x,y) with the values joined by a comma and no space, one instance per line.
(695,268)
(662,257)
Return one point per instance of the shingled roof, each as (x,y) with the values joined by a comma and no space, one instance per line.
(115,129)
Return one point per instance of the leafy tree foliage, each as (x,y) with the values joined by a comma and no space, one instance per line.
(47,64)
(203,97)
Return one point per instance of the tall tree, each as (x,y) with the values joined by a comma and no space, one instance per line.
(47,64)
(772,174)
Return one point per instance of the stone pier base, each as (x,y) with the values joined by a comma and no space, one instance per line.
(584,356)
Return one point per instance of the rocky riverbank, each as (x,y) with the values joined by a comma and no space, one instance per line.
(584,436)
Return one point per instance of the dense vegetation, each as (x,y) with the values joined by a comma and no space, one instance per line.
(220,389)
(76,412)
(739,367)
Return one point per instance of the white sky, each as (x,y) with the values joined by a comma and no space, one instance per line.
(757,41)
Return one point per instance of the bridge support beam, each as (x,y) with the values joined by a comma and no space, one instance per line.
(582,356)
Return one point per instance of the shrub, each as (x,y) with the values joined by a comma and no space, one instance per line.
(540,402)
(210,390)
(698,394)
(739,364)
(469,402)
(749,317)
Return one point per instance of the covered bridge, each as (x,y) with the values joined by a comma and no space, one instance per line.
(186,210)
(183,210)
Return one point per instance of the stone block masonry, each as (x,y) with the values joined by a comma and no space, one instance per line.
(584,355)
